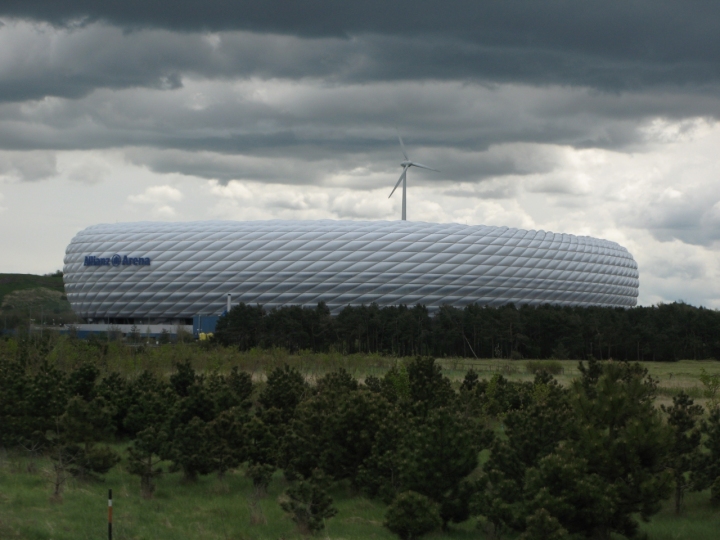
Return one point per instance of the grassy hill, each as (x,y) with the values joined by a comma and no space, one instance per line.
(10,283)
(27,296)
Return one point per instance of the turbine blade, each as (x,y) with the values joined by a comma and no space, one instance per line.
(398,182)
(403,148)
(421,166)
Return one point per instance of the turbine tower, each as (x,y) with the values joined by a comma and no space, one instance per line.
(403,177)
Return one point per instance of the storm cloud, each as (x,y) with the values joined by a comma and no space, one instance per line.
(595,43)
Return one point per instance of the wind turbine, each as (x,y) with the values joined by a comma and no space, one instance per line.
(403,177)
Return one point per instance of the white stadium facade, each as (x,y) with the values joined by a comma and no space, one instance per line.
(160,275)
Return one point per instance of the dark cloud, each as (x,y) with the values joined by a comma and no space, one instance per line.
(609,44)
(313,120)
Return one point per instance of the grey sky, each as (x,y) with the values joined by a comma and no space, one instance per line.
(590,117)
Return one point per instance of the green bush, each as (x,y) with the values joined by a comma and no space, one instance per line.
(549,366)
(412,515)
(542,526)
(308,504)
(715,492)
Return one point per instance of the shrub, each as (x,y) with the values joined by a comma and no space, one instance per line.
(412,515)
(715,492)
(309,504)
(260,474)
(549,366)
(542,526)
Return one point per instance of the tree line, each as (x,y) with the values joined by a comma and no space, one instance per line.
(588,460)
(666,332)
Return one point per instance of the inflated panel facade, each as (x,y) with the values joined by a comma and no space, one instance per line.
(151,270)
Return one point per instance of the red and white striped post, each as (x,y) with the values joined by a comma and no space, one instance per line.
(109,514)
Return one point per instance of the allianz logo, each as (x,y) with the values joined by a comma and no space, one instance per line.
(116,260)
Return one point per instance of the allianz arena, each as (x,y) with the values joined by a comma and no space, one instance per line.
(168,273)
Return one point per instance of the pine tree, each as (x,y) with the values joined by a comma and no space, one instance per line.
(260,442)
(261,475)
(707,471)
(308,504)
(189,450)
(183,378)
(429,388)
(284,389)
(435,455)
(144,458)
(579,502)
(532,432)
(85,424)
(81,381)
(624,440)
(412,515)
(683,418)
(226,440)
(543,526)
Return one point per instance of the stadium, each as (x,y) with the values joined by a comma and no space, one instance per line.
(168,275)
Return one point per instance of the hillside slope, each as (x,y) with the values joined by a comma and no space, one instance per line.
(27,296)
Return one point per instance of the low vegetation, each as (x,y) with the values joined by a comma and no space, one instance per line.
(225,452)
(27,299)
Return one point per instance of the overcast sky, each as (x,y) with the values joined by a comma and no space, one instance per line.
(597,118)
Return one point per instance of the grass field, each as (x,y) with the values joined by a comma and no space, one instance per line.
(129,360)
(216,509)
(209,509)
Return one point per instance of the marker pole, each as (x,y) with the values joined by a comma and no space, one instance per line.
(109,514)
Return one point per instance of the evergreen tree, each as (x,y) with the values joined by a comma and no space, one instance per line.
(45,400)
(379,473)
(85,424)
(412,515)
(183,379)
(261,475)
(16,422)
(543,526)
(707,471)
(530,434)
(240,386)
(115,390)
(578,501)
(351,432)
(226,440)
(261,444)
(308,504)
(144,458)
(624,440)
(283,391)
(81,381)
(334,430)
(148,408)
(189,449)
(429,388)
(435,456)
(683,418)
(240,327)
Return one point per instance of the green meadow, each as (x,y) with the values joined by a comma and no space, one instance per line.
(226,509)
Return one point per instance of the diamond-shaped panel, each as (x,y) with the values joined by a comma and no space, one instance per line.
(194,265)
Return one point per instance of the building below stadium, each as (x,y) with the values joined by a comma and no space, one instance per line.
(163,275)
